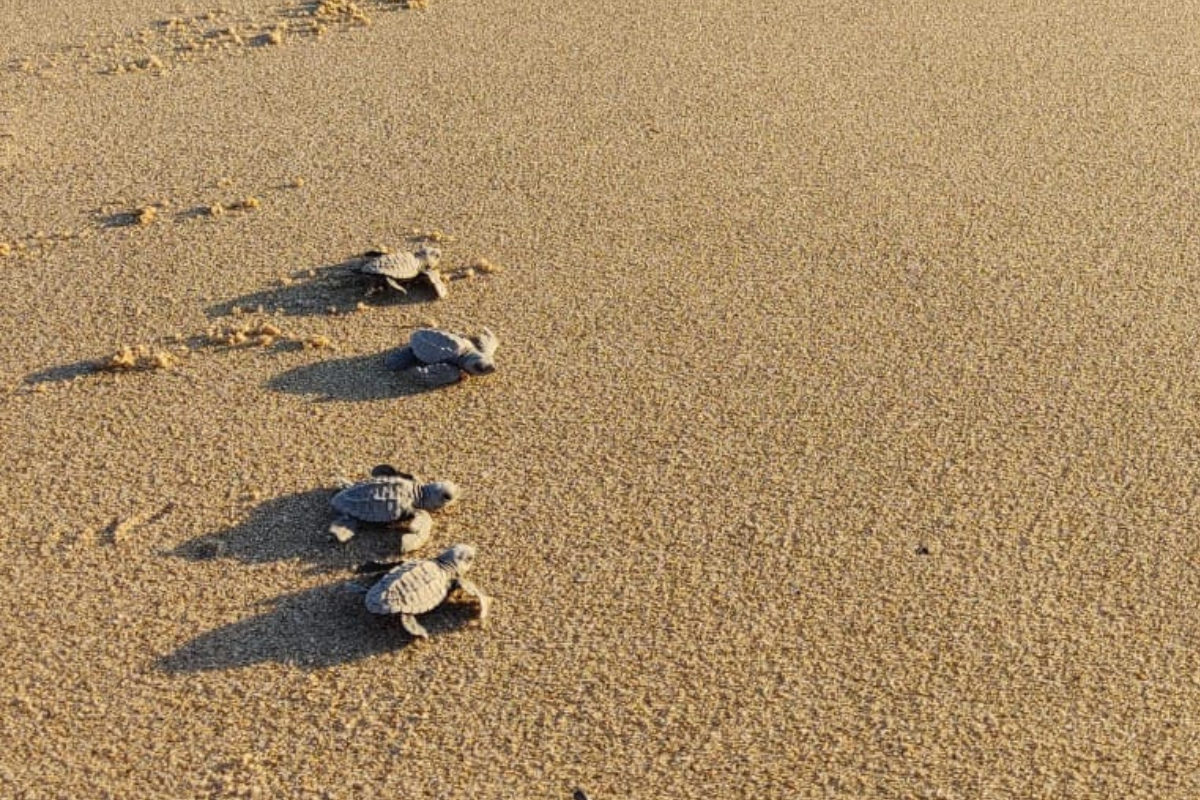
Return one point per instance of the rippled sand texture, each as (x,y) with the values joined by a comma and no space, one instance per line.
(844,442)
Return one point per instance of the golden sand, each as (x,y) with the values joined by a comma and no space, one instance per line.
(844,440)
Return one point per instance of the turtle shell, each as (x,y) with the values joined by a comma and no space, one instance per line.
(399,266)
(412,588)
(385,498)
(435,346)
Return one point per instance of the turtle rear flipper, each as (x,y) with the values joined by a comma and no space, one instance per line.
(401,358)
(342,529)
(355,588)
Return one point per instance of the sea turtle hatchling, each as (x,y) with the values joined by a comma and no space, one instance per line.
(397,269)
(415,587)
(440,357)
(390,497)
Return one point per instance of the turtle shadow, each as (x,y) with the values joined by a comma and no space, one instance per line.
(100,367)
(357,378)
(63,372)
(335,288)
(194,212)
(307,10)
(118,219)
(316,628)
(292,527)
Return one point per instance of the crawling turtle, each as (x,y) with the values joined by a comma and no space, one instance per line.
(397,269)
(415,587)
(392,497)
(440,357)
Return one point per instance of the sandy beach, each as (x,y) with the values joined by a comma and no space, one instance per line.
(844,441)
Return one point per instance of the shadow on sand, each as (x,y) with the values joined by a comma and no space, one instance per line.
(63,372)
(336,287)
(294,527)
(195,345)
(352,378)
(319,627)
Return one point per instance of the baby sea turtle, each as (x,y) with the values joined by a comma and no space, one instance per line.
(419,586)
(396,269)
(390,496)
(440,357)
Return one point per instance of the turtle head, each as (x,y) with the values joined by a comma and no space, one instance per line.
(483,360)
(459,557)
(479,364)
(438,494)
(429,255)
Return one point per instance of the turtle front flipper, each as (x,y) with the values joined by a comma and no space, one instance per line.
(419,529)
(487,343)
(435,281)
(343,529)
(384,470)
(401,358)
(414,628)
(485,602)
(438,374)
